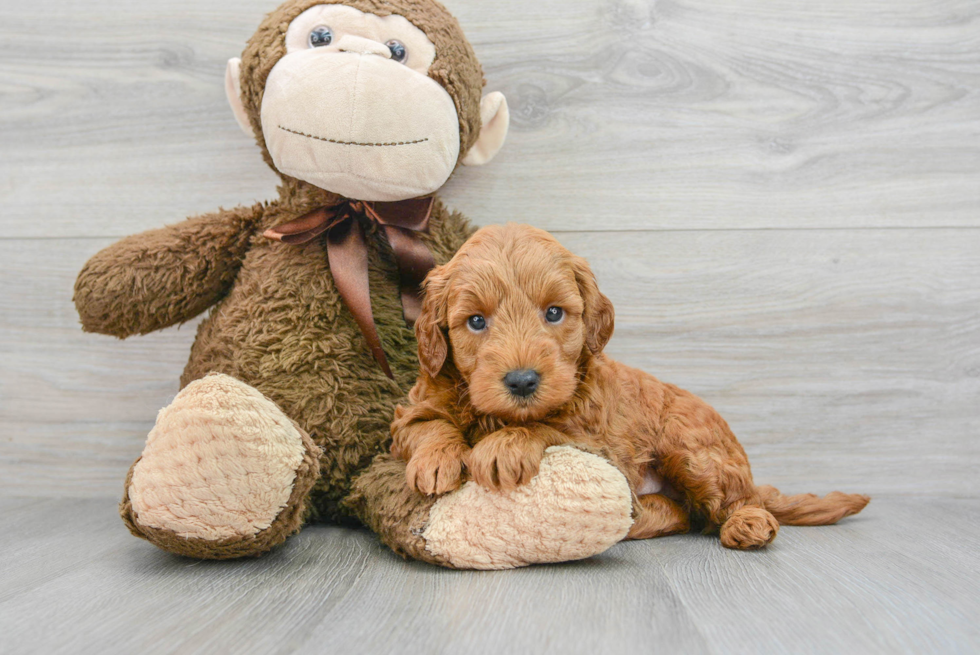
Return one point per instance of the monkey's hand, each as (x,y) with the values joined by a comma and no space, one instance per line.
(152,280)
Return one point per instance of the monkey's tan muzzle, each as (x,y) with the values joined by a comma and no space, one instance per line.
(357,123)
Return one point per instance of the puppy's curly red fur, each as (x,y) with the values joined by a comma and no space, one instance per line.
(463,417)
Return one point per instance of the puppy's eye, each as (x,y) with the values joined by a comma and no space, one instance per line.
(476,323)
(321,36)
(398,51)
(554,315)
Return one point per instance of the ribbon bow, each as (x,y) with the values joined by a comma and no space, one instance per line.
(348,255)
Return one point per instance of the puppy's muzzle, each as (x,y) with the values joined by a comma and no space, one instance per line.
(522,383)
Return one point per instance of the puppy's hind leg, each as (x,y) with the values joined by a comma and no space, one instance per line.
(724,495)
(704,459)
(658,516)
(749,528)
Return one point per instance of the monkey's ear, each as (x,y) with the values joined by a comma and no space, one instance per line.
(495,118)
(233,89)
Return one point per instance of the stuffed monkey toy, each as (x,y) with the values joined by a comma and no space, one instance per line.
(364,108)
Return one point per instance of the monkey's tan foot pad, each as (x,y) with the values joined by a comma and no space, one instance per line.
(577,506)
(224,473)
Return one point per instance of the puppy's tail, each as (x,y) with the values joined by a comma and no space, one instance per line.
(810,509)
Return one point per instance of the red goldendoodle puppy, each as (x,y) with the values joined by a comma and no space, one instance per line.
(510,343)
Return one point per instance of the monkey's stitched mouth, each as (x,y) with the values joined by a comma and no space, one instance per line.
(352,143)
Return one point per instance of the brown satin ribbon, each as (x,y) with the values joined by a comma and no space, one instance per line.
(348,255)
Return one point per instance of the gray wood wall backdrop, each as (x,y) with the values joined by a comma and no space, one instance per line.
(782,197)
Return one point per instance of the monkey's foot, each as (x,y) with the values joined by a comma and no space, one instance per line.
(577,506)
(225,473)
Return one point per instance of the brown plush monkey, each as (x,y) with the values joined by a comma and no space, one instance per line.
(364,108)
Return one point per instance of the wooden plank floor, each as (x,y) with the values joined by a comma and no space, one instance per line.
(901,578)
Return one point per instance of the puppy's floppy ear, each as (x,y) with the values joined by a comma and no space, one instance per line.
(598,316)
(432,321)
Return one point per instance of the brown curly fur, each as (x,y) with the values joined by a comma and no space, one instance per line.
(276,320)
(462,415)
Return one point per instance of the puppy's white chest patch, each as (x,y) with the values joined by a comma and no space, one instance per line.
(652,484)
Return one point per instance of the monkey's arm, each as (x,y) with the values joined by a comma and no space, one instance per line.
(152,280)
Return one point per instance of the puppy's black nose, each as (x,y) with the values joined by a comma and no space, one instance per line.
(523,382)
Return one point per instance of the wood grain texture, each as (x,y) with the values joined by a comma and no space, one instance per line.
(627,114)
(899,578)
(842,358)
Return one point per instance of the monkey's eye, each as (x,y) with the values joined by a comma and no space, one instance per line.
(476,323)
(554,315)
(320,36)
(398,51)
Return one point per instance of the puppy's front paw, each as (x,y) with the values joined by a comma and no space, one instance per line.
(505,459)
(436,469)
